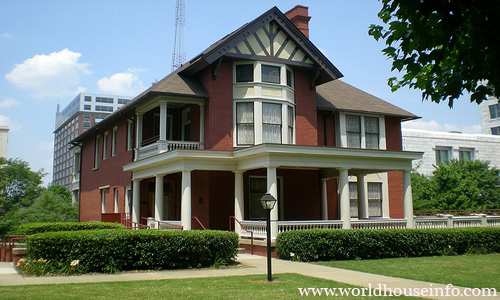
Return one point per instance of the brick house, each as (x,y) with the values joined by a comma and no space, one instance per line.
(261,110)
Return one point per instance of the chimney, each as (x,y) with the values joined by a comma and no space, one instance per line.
(299,16)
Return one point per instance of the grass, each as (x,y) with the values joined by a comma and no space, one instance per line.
(284,286)
(475,271)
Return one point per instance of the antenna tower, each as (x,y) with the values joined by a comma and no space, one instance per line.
(179,54)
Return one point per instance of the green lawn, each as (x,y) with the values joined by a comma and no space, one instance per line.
(476,271)
(285,286)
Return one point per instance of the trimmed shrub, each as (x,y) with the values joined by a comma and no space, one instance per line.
(112,251)
(338,244)
(32,228)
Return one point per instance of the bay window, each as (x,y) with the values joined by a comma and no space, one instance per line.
(271,123)
(245,123)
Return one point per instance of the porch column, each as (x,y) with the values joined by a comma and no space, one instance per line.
(408,200)
(272,188)
(345,206)
(159,198)
(239,204)
(139,130)
(324,199)
(163,121)
(186,200)
(202,126)
(136,202)
(362,199)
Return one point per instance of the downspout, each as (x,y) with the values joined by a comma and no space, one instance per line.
(133,159)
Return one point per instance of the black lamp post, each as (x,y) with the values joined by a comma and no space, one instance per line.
(268,202)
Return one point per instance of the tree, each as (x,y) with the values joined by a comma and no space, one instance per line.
(19,185)
(443,47)
(458,185)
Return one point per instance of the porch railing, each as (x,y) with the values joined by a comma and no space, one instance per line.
(246,231)
(378,224)
(164,146)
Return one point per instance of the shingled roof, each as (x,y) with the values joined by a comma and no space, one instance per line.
(337,95)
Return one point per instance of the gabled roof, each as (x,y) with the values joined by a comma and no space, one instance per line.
(339,96)
(272,27)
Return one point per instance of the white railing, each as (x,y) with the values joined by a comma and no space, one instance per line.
(164,225)
(301,225)
(164,146)
(378,224)
(430,222)
(493,221)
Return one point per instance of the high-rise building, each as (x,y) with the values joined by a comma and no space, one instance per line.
(80,114)
(489,116)
(4,134)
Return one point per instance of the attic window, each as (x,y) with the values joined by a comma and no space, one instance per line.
(244,73)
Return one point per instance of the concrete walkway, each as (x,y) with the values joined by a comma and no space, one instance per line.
(249,265)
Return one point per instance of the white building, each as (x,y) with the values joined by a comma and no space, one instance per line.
(4,134)
(489,116)
(441,146)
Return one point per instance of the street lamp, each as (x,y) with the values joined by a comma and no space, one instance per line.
(268,202)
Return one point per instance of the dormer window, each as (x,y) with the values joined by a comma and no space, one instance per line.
(364,132)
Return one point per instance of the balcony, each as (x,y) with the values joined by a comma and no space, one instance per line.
(156,146)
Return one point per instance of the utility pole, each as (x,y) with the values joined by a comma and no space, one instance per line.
(179,54)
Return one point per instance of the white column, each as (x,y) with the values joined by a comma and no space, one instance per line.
(362,198)
(272,188)
(408,200)
(163,121)
(138,126)
(202,126)
(186,200)
(324,199)
(239,204)
(159,198)
(136,202)
(345,206)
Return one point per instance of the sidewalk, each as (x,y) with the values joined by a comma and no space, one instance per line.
(250,265)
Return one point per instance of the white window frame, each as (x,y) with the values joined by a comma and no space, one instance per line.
(114,141)
(105,146)
(115,195)
(381,126)
(130,135)
(463,150)
(449,150)
(96,152)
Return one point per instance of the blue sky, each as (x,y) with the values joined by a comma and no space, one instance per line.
(52,50)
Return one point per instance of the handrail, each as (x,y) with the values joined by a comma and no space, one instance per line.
(133,225)
(8,245)
(246,230)
(175,226)
(197,220)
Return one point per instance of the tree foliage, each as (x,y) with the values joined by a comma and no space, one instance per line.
(19,185)
(443,47)
(458,185)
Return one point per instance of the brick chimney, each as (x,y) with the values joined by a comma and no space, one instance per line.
(299,16)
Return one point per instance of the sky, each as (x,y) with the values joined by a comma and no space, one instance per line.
(52,50)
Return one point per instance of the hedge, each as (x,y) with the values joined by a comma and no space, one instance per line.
(118,250)
(32,228)
(338,244)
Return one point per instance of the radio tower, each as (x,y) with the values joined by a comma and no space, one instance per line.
(179,54)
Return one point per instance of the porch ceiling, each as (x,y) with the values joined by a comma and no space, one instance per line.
(327,160)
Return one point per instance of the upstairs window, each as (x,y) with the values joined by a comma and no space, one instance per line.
(494,111)
(105,146)
(495,130)
(244,73)
(271,74)
(96,152)
(271,123)
(371,133)
(245,123)
(113,141)
(353,130)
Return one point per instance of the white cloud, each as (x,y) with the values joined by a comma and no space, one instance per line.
(435,126)
(123,83)
(52,75)
(9,102)
(6,121)
(6,35)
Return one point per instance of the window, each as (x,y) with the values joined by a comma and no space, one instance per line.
(374,199)
(353,198)
(353,130)
(244,123)
(258,187)
(96,152)
(244,73)
(442,154)
(115,195)
(113,141)
(87,107)
(103,108)
(494,111)
(371,133)
(123,101)
(291,124)
(103,200)
(465,154)
(270,74)
(186,124)
(289,80)
(271,123)
(105,145)
(495,130)
(88,98)
(130,136)
(103,100)
(86,116)
(86,124)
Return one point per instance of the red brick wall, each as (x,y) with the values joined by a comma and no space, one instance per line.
(200,189)
(109,172)
(326,119)
(219,107)
(395,179)
(221,187)
(393,133)
(305,110)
